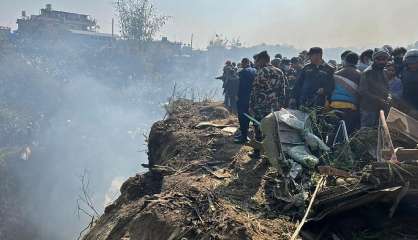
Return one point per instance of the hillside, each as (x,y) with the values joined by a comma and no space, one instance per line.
(200,186)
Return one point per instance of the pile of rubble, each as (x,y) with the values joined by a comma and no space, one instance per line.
(201,185)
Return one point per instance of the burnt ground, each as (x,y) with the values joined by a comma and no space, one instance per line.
(200,186)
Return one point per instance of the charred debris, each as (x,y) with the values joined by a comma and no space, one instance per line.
(200,185)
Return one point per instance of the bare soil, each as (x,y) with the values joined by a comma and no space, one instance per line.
(200,186)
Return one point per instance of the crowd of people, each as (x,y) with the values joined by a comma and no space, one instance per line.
(357,89)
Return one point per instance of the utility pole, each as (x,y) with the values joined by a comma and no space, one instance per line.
(191,42)
(113,27)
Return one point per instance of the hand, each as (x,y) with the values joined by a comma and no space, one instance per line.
(388,101)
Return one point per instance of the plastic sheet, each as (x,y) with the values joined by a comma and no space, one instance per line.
(290,119)
(315,142)
(301,155)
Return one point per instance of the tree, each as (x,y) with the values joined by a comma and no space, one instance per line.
(138,19)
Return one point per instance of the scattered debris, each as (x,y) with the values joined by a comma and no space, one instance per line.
(203,186)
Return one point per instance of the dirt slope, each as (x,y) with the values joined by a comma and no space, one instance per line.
(200,186)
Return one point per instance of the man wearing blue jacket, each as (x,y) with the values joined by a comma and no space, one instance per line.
(315,83)
(245,85)
(344,98)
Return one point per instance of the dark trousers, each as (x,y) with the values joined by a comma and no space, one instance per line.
(244,122)
(369,119)
(351,119)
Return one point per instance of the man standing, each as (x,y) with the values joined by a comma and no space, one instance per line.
(410,79)
(398,56)
(246,79)
(395,83)
(343,56)
(365,60)
(345,95)
(296,65)
(230,83)
(315,83)
(374,89)
(267,93)
(277,60)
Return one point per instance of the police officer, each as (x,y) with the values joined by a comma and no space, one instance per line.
(315,83)
(246,79)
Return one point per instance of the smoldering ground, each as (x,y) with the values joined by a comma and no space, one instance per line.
(97,132)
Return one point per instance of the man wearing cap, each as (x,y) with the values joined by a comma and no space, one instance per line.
(345,95)
(277,60)
(410,79)
(315,83)
(374,89)
(267,94)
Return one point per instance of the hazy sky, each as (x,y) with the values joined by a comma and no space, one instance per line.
(302,23)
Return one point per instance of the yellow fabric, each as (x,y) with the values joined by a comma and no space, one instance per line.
(343,105)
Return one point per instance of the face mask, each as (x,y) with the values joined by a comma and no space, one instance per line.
(379,66)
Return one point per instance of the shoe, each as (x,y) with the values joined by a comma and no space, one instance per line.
(238,134)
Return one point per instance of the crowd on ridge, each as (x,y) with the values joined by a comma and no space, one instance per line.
(357,89)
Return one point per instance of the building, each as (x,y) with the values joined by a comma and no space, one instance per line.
(51,20)
(5,33)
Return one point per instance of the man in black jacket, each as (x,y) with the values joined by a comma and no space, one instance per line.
(410,79)
(315,83)
(374,89)
(398,57)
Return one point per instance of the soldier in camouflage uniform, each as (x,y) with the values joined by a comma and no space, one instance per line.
(268,93)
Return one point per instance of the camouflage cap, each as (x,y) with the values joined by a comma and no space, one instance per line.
(380,52)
